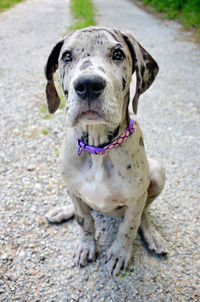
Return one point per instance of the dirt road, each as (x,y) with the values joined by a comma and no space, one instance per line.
(36,258)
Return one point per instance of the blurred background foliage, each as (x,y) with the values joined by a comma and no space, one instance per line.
(4,4)
(188,11)
(83,13)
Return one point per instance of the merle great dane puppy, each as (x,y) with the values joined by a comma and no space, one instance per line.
(103,160)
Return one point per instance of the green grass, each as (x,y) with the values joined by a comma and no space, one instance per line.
(5,4)
(188,11)
(62,100)
(83,13)
(123,275)
(47,116)
(56,152)
(45,131)
(43,109)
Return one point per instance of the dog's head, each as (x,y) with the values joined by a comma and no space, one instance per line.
(96,66)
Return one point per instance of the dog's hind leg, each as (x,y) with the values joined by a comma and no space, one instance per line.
(157,180)
(150,235)
(59,214)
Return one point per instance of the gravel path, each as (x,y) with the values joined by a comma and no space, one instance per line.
(36,258)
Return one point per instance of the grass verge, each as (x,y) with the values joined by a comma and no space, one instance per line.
(188,11)
(83,13)
(5,4)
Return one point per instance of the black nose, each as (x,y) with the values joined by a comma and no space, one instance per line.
(89,88)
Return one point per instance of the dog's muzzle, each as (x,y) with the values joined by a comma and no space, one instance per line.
(89,88)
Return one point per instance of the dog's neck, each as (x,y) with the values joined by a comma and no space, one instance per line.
(98,135)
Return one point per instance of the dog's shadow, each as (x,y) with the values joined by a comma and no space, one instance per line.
(106,232)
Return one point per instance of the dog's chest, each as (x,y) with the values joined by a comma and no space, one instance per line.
(99,186)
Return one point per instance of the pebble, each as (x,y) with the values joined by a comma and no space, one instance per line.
(31,167)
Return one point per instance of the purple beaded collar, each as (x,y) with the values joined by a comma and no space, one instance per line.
(118,141)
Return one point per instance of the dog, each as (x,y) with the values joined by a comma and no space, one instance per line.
(103,160)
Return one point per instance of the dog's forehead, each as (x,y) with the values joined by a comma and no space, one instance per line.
(90,38)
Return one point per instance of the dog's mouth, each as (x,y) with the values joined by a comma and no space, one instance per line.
(90,116)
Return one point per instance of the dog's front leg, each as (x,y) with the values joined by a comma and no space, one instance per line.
(86,248)
(120,252)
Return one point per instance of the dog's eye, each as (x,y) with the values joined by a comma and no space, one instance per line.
(67,56)
(118,55)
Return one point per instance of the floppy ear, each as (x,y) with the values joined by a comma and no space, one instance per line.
(53,100)
(145,66)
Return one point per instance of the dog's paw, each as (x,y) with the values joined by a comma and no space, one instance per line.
(85,251)
(58,214)
(118,257)
(155,241)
